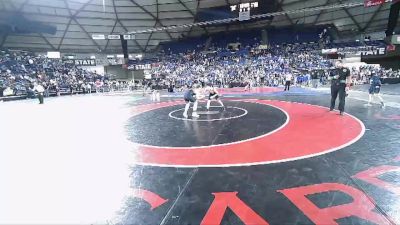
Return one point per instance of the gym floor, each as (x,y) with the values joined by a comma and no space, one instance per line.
(268,157)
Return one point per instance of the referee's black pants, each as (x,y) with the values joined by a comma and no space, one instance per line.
(341,91)
(40,97)
(287,85)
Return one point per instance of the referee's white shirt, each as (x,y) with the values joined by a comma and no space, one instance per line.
(288,77)
(39,88)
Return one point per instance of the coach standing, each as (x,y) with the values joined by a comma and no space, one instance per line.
(40,90)
(340,83)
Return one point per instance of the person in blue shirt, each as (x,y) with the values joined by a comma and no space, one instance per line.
(375,89)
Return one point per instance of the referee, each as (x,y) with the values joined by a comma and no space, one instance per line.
(40,90)
(288,80)
(340,83)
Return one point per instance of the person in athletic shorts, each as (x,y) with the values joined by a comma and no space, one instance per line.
(190,97)
(248,85)
(213,95)
(375,89)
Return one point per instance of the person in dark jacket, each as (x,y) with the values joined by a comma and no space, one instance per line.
(340,84)
(190,96)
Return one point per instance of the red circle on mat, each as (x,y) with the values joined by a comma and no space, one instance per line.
(310,131)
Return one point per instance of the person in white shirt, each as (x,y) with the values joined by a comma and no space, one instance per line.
(8,92)
(40,90)
(89,88)
(288,80)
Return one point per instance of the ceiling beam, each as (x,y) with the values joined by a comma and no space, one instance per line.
(71,38)
(73,17)
(320,13)
(157,9)
(123,27)
(112,31)
(187,8)
(280,7)
(372,17)
(230,20)
(148,41)
(344,17)
(78,10)
(351,17)
(47,41)
(21,7)
(134,40)
(295,2)
(151,14)
(87,33)
(4,38)
(155,24)
(13,6)
(272,20)
(147,4)
(195,18)
(377,20)
(96,18)
(115,24)
(67,27)
(65,33)
(193,14)
(90,11)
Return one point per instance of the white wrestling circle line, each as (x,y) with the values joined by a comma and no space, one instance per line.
(226,144)
(245,112)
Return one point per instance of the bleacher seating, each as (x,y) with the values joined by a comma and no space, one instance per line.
(184,45)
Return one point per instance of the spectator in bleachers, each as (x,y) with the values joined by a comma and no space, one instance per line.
(20,69)
(218,67)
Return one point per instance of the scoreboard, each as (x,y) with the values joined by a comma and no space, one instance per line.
(244,6)
(243,10)
(254,8)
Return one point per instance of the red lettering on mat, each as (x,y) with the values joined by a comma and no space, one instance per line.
(361,207)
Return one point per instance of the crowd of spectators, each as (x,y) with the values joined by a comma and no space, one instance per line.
(362,74)
(255,66)
(258,66)
(20,71)
(250,65)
